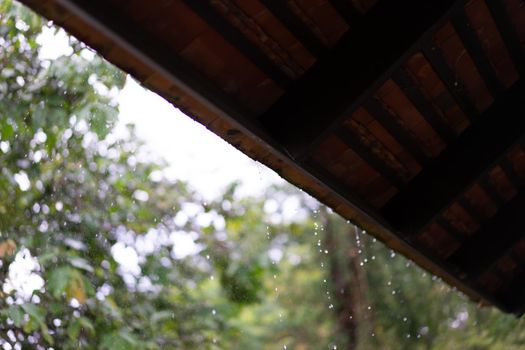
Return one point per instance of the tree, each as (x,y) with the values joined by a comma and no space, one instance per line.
(72,193)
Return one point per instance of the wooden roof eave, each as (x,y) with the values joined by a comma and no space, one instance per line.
(322,99)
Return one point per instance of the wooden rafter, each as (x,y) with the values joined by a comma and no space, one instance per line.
(369,157)
(296,26)
(477,254)
(376,109)
(429,113)
(470,40)
(456,87)
(346,10)
(333,88)
(460,165)
(508,33)
(205,10)
(513,296)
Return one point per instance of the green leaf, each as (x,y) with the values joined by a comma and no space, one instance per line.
(35,312)
(161,316)
(74,330)
(7,131)
(119,341)
(16,313)
(37,320)
(87,325)
(58,281)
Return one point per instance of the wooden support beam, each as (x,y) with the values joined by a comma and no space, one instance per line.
(153,53)
(491,191)
(473,154)
(513,295)
(205,10)
(451,230)
(296,26)
(456,87)
(346,10)
(480,251)
(352,141)
(425,108)
(508,33)
(378,111)
(362,59)
(510,172)
(471,211)
(473,46)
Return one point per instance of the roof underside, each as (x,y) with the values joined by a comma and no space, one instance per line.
(406,117)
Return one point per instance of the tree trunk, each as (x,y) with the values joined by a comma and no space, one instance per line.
(349,283)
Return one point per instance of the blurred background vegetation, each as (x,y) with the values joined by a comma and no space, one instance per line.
(99,250)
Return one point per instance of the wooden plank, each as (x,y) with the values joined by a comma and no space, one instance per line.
(451,230)
(154,54)
(491,191)
(362,59)
(473,154)
(435,57)
(369,157)
(480,251)
(346,10)
(513,296)
(205,10)
(404,138)
(511,174)
(473,46)
(427,111)
(508,33)
(471,211)
(296,26)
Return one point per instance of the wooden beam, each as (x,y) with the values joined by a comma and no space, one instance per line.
(352,141)
(481,250)
(387,121)
(346,10)
(451,81)
(489,189)
(508,33)
(209,14)
(471,211)
(513,295)
(362,59)
(425,108)
(296,26)
(473,46)
(153,53)
(451,230)
(378,111)
(459,166)
(510,172)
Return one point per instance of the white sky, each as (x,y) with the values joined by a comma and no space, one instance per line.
(194,153)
